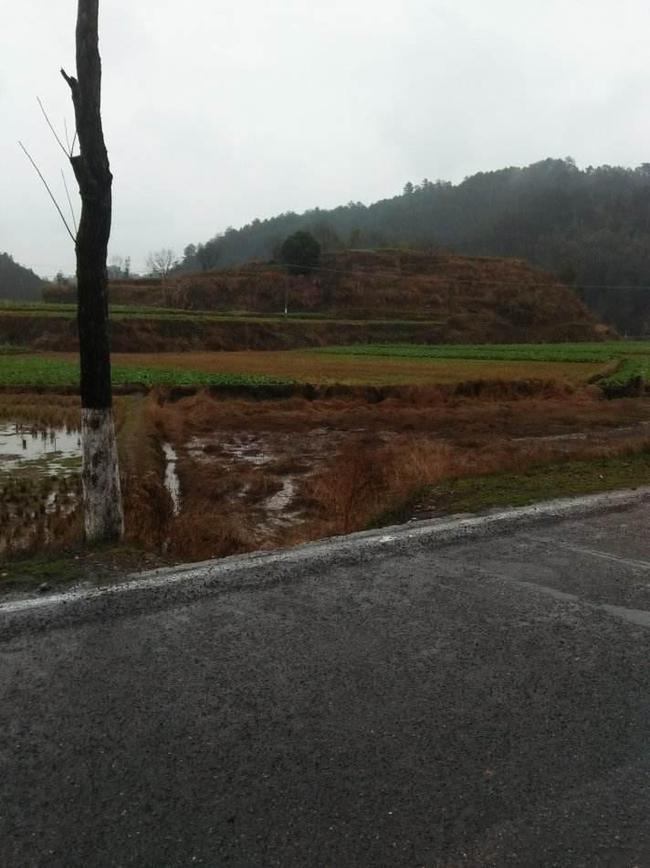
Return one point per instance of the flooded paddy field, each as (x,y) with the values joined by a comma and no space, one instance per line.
(206,474)
(22,444)
(39,482)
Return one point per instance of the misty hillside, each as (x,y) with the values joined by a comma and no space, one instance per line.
(589,227)
(17,282)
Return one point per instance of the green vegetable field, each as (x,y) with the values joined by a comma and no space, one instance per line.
(633,357)
(34,371)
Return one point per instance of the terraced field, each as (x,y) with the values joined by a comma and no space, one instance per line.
(624,362)
(124,311)
(285,367)
(614,365)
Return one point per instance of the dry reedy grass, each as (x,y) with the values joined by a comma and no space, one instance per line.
(380,453)
(204,531)
(41,411)
(367,477)
(25,521)
(147,504)
(411,410)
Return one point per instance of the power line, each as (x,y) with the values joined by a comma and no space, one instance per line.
(467,280)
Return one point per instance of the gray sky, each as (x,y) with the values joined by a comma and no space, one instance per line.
(219,111)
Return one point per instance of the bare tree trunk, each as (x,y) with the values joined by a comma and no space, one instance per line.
(102,498)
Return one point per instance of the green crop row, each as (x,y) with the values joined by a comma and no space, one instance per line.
(629,371)
(565,352)
(35,371)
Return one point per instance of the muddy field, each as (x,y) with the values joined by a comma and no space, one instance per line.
(206,475)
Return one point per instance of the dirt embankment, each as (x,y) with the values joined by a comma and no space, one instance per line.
(134,335)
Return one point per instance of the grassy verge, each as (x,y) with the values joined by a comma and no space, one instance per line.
(541,482)
(52,570)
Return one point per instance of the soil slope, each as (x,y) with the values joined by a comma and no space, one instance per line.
(458,299)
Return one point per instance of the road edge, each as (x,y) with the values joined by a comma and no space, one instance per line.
(180,585)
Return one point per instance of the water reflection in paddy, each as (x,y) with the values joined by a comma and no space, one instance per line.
(23,445)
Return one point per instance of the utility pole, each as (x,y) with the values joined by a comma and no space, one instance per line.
(102,497)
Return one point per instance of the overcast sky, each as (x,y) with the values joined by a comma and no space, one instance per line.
(219,111)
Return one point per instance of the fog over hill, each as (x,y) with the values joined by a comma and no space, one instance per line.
(589,227)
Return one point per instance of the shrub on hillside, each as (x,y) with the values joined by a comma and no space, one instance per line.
(300,253)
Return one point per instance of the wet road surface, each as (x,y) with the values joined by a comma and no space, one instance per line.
(480,702)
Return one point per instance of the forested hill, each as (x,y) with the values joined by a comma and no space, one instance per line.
(17,282)
(587,226)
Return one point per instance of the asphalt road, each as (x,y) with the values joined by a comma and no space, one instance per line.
(481,700)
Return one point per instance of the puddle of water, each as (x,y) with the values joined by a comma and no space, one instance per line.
(22,445)
(289,458)
(172,482)
(281,499)
(246,448)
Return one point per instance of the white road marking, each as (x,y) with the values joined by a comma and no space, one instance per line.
(595,553)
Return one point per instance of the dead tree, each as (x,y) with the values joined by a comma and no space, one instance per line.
(102,497)
(161,262)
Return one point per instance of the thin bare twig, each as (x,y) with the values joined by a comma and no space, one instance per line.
(67,193)
(54,132)
(67,137)
(46,185)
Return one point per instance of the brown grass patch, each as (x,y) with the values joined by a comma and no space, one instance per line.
(367,476)
(203,531)
(416,411)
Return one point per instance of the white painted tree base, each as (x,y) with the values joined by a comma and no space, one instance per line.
(100,477)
